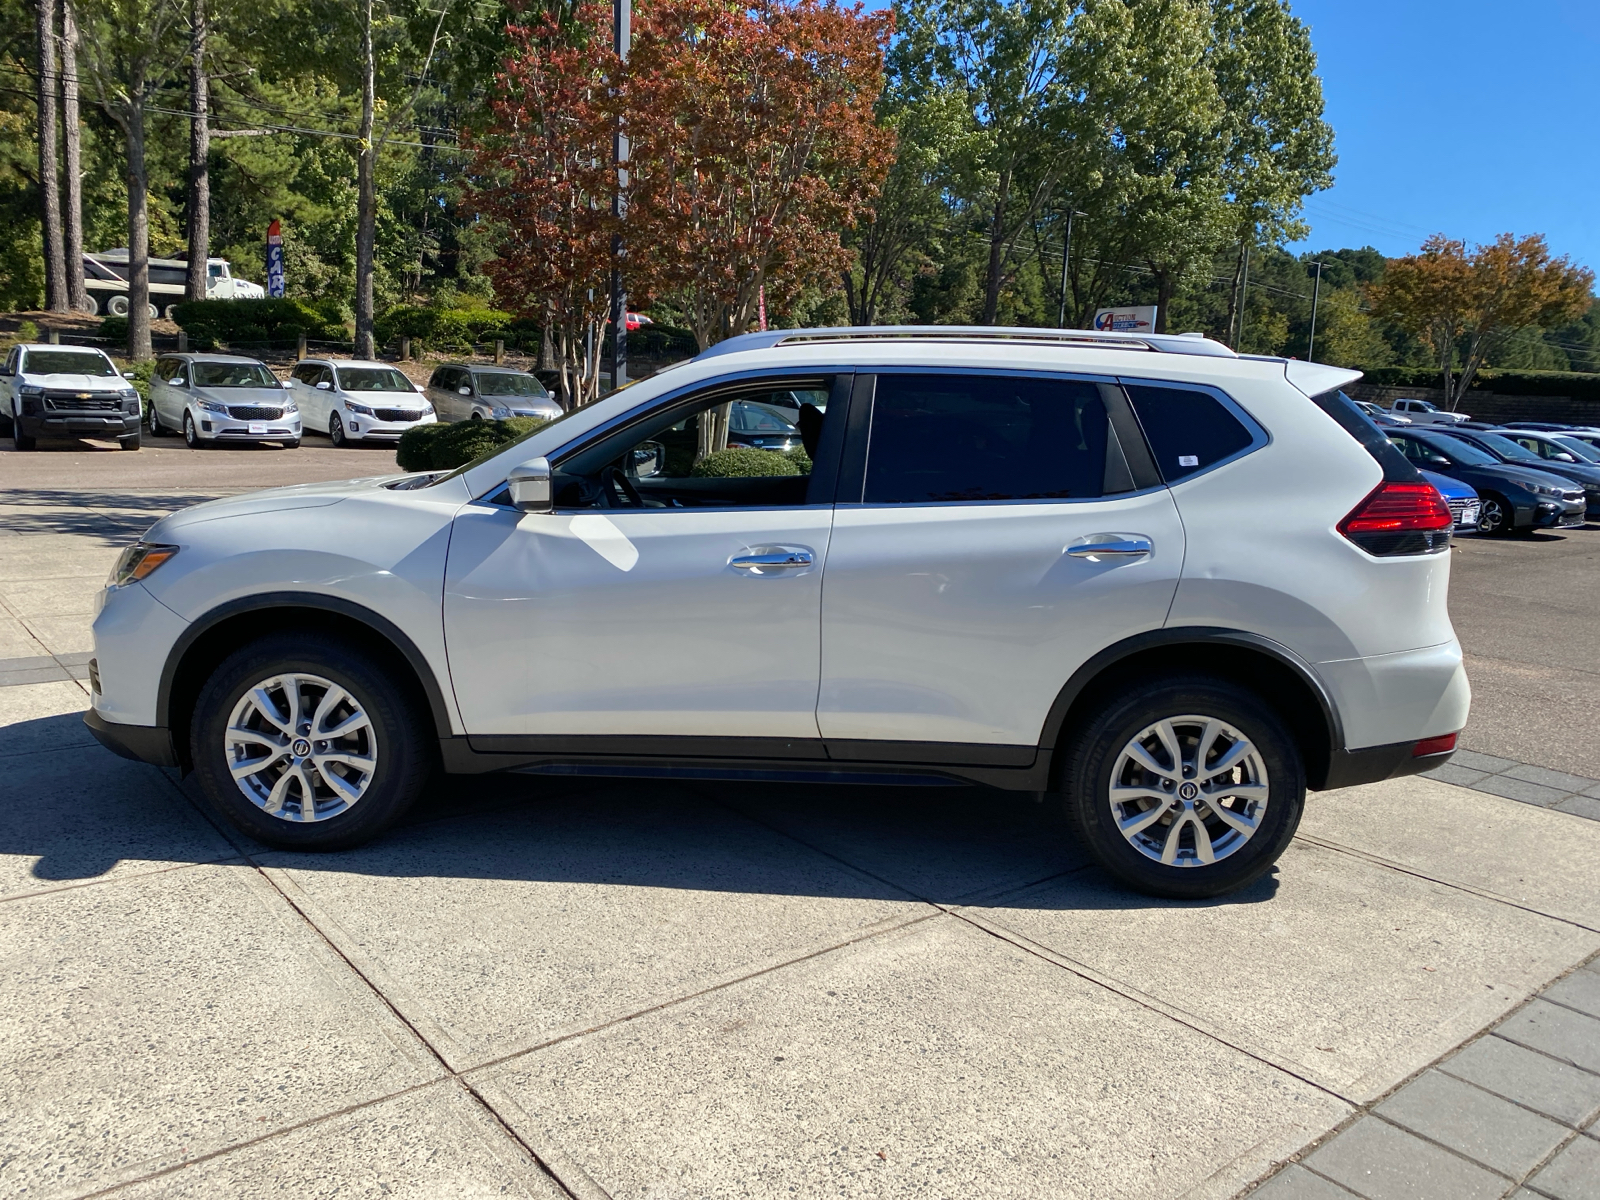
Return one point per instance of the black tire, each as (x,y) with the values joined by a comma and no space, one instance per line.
(23,441)
(191,433)
(291,445)
(1096,750)
(404,761)
(131,442)
(1494,515)
(153,423)
(336,432)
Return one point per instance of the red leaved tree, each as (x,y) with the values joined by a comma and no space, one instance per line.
(754,145)
(544,172)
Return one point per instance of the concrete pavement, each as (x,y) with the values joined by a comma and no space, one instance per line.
(660,990)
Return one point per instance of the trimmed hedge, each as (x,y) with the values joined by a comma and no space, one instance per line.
(453,329)
(210,323)
(739,462)
(444,447)
(1580,385)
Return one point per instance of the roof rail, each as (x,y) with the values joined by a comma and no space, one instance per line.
(1163,343)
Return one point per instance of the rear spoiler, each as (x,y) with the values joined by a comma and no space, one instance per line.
(1314,378)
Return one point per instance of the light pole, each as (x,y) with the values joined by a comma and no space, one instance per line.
(1066,251)
(1311,342)
(622,20)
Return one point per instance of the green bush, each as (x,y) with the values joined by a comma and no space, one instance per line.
(444,447)
(115,329)
(210,323)
(738,462)
(442,329)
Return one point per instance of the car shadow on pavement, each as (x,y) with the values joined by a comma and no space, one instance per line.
(74,812)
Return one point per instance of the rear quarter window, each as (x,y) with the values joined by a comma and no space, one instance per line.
(1188,429)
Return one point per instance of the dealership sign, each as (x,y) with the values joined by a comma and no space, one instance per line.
(1130,318)
(274,260)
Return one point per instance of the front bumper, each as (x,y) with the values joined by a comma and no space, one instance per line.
(235,429)
(71,424)
(142,743)
(372,429)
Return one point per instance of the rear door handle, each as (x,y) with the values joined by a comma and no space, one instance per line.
(773,559)
(1111,545)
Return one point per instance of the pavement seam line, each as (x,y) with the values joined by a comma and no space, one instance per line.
(428,1046)
(1436,1065)
(578,1193)
(1418,873)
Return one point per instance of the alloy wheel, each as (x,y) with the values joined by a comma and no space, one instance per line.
(1188,791)
(300,747)
(191,435)
(1491,516)
(336,430)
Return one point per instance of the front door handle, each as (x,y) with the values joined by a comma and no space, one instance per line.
(1111,545)
(772,559)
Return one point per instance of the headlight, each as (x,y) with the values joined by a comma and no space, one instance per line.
(211,406)
(128,393)
(360,409)
(1545,489)
(137,561)
(290,409)
(32,391)
(427,409)
(500,412)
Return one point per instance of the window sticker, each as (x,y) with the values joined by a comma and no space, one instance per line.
(1188,460)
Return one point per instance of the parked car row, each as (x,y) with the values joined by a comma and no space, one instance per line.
(1525,480)
(210,399)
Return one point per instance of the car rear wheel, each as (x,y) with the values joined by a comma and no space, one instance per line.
(1494,515)
(305,744)
(1184,787)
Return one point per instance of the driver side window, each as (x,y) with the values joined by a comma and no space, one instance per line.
(734,448)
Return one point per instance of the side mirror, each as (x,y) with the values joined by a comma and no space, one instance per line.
(286,384)
(648,459)
(127,374)
(530,486)
(1563,458)
(466,391)
(176,381)
(324,386)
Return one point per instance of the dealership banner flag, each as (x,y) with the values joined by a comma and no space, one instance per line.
(274,260)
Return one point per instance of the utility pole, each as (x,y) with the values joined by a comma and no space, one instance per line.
(1311,342)
(72,213)
(1244,289)
(622,20)
(1066,251)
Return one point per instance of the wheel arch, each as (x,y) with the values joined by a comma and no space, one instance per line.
(208,640)
(1270,669)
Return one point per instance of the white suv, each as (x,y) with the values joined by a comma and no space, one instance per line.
(1170,586)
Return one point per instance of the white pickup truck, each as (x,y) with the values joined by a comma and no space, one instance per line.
(105,277)
(1421,412)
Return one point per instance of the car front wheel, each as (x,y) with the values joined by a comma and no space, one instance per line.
(1494,516)
(1184,787)
(305,744)
(191,433)
(336,431)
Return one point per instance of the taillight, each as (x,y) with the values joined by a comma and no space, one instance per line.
(1443,744)
(1400,518)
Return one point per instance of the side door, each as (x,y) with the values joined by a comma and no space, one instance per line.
(663,598)
(8,382)
(437,393)
(316,399)
(161,392)
(995,530)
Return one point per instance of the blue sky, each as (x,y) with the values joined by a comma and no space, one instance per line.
(1462,117)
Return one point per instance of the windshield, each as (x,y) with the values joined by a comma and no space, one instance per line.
(1464,453)
(1506,448)
(373,379)
(233,375)
(69,362)
(1579,447)
(1423,405)
(504,383)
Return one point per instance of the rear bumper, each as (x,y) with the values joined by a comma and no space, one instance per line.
(1372,764)
(142,743)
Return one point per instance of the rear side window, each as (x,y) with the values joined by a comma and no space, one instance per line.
(1395,464)
(1188,430)
(990,437)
